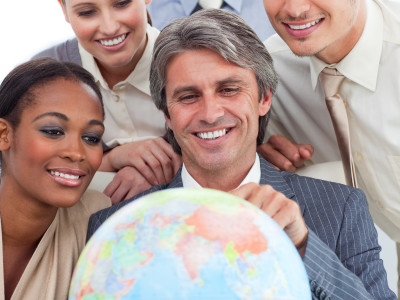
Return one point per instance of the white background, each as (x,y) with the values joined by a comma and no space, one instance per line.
(29,26)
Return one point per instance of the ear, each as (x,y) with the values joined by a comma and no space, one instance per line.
(265,103)
(64,11)
(147,2)
(5,135)
(168,121)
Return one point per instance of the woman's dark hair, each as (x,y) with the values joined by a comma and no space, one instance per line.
(17,89)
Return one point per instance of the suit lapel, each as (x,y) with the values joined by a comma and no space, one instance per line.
(274,178)
(177,181)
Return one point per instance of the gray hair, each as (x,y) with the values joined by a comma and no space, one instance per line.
(223,32)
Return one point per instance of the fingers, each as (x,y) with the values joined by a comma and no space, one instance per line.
(284,154)
(306,151)
(246,191)
(153,158)
(284,211)
(275,158)
(168,160)
(147,171)
(162,160)
(127,183)
(175,160)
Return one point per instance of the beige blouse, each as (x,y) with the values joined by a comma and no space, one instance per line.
(48,273)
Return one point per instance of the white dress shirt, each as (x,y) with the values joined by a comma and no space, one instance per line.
(372,91)
(130,113)
(254,175)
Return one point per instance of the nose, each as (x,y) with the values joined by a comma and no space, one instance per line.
(211,109)
(296,8)
(109,24)
(73,150)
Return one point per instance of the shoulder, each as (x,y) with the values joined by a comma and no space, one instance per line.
(90,202)
(286,63)
(275,44)
(317,191)
(315,196)
(391,20)
(152,35)
(326,205)
(73,221)
(330,208)
(101,215)
(302,188)
(97,219)
(93,201)
(65,51)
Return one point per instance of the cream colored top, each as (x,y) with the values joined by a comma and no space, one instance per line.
(48,273)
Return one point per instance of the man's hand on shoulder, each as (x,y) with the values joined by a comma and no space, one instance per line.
(139,166)
(154,158)
(127,183)
(284,154)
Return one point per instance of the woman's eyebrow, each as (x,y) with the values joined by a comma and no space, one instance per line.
(96,122)
(65,118)
(52,114)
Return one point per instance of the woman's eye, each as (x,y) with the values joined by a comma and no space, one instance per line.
(123,3)
(91,139)
(53,132)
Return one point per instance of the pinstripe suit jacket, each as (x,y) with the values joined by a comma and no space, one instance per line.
(342,255)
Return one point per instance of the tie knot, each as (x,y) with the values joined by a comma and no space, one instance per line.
(210,3)
(331,79)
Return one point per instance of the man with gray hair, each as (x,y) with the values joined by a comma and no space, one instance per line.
(213,79)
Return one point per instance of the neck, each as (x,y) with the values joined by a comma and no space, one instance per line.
(211,3)
(32,220)
(223,179)
(114,74)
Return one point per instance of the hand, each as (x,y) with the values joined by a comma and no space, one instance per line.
(154,159)
(284,211)
(284,154)
(127,183)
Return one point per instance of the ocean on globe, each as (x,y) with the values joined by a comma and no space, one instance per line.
(192,244)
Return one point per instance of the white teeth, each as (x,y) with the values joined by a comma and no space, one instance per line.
(304,26)
(67,176)
(113,42)
(211,135)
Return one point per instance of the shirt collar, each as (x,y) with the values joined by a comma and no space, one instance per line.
(139,76)
(362,63)
(189,5)
(254,175)
(90,65)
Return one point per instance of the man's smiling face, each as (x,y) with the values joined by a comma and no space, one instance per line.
(326,29)
(213,110)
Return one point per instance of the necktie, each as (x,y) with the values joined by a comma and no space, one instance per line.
(331,80)
(210,3)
